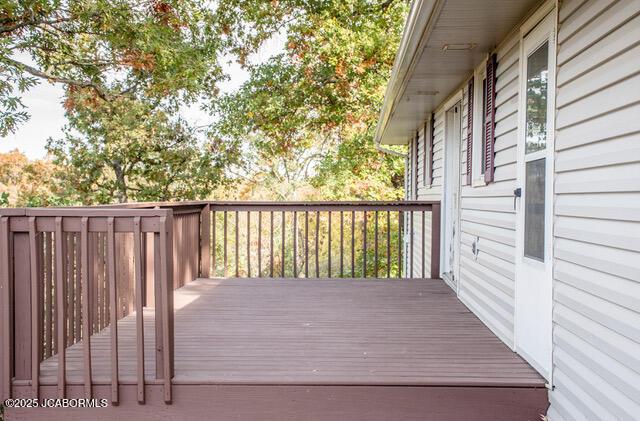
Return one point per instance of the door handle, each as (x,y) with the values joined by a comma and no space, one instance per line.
(517,193)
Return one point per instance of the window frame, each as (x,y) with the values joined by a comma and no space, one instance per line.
(478,135)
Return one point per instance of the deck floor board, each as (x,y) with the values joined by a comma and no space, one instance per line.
(314,331)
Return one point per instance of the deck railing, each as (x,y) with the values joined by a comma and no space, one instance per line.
(322,239)
(69,273)
(66,274)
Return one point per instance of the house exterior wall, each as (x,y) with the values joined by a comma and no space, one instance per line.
(488,219)
(415,182)
(429,192)
(486,283)
(596,334)
(596,305)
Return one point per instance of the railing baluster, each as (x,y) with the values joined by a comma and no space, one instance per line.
(364,244)
(41,294)
(113,308)
(424,241)
(205,244)
(86,332)
(411,253)
(353,244)
(71,274)
(271,246)
(295,244)
(224,246)
(388,244)
(317,243)
(60,308)
(78,288)
(375,245)
(213,244)
(70,290)
(259,244)
(48,285)
(400,243)
(5,270)
(306,244)
(341,244)
(237,243)
(282,246)
(101,280)
(93,281)
(248,244)
(35,298)
(329,248)
(158,268)
(137,251)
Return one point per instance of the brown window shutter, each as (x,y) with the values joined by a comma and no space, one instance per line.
(425,157)
(489,129)
(432,139)
(469,128)
(415,166)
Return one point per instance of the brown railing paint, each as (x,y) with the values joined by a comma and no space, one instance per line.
(319,240)
(68,273)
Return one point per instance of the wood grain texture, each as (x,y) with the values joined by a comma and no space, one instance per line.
(316,331)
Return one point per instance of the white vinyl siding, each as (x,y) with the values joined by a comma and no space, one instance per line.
(596,242)
(426,193)
(596,314)
(487,215)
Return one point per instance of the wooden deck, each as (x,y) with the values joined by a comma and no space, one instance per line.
(321,331)
(245,349)
(280,343)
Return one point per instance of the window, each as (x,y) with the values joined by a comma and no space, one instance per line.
(479,148)
(536,103)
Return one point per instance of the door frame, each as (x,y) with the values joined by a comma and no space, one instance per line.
(455,99)
(541,23)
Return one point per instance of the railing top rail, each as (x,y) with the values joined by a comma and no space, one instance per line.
(325,205)
(88,211)
(145,205)
(319,202)
(13,211)
(162,208)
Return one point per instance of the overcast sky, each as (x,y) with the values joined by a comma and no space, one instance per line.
(44,104)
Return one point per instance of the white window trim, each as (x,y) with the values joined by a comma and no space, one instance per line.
(477,176)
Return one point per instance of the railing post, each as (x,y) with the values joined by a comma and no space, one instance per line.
(166,258)
(5,310)
(36,315)
(435,241)
(205,238)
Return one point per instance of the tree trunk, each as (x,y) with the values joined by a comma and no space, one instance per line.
(121,183)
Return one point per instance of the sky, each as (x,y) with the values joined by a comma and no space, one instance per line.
(44,104)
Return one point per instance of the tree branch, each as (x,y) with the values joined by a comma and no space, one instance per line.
(11,28)
(43,75)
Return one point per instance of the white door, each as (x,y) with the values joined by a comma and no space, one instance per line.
(450,217)
(534,197)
